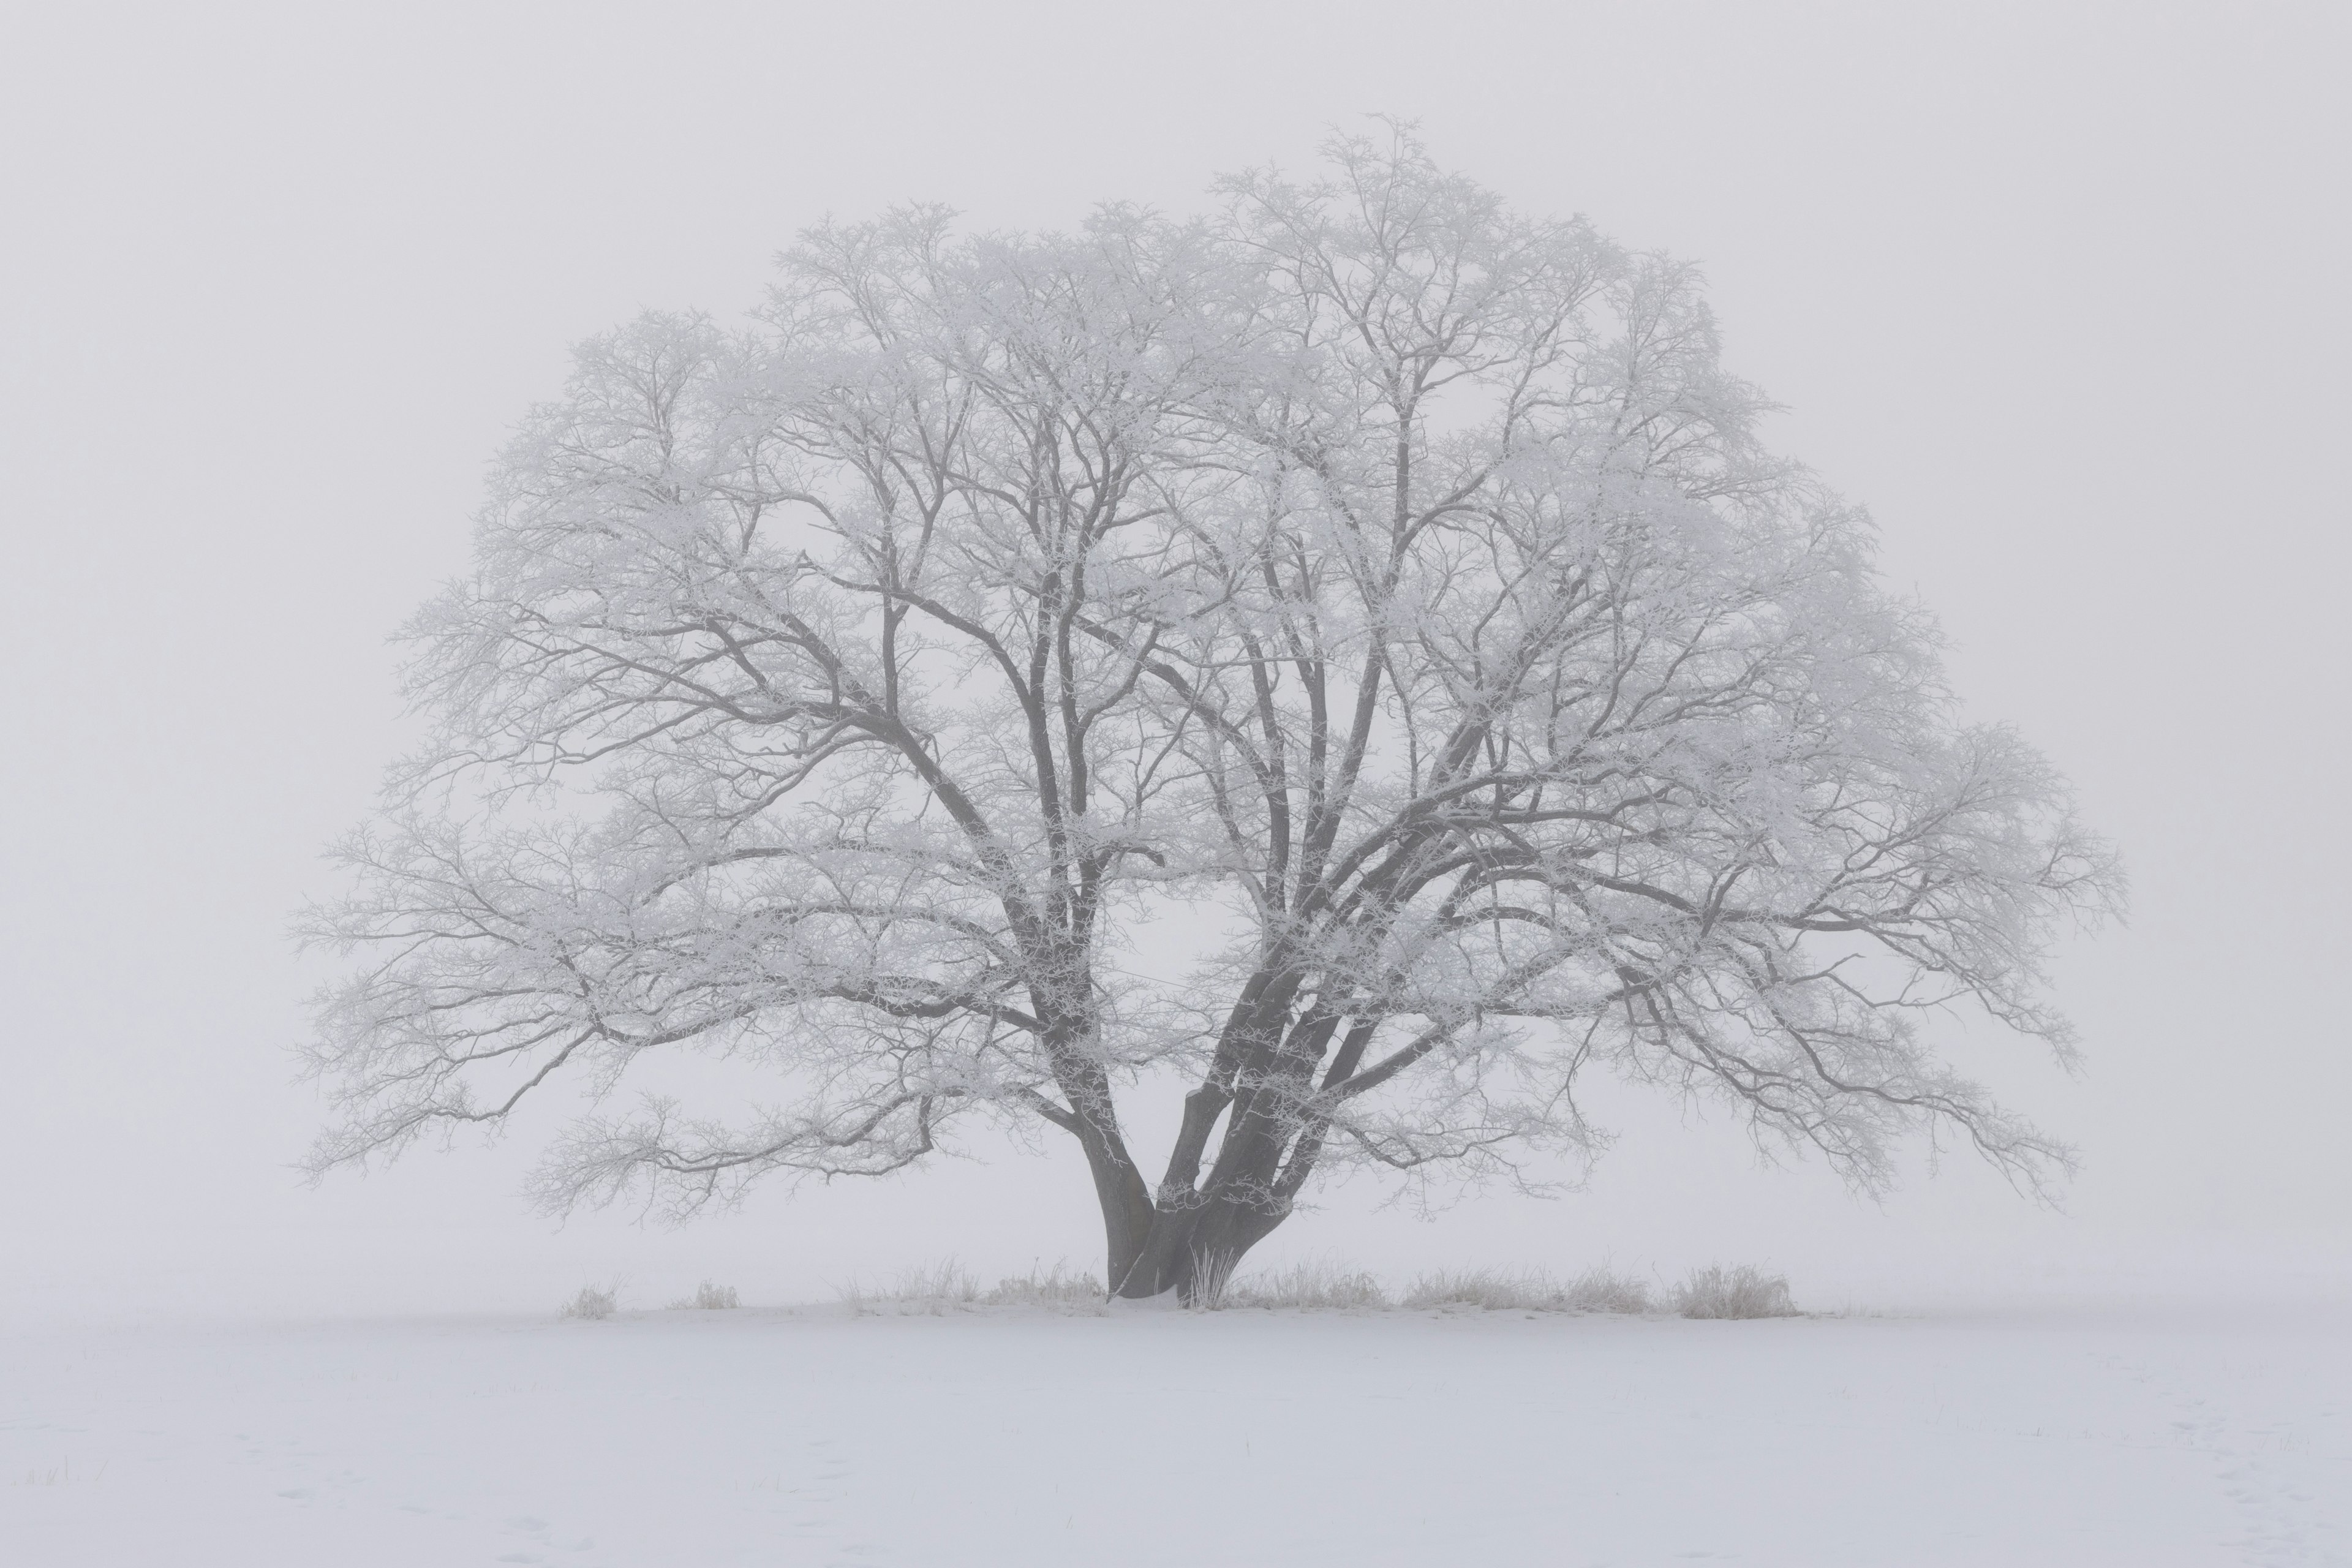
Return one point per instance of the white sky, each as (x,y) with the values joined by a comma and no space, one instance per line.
(2061,291)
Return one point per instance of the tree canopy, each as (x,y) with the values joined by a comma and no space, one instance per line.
(1386,591)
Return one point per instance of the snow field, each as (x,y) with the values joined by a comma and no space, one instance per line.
(689,1438)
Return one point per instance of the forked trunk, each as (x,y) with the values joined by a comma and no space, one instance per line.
(1193,1249)
(1200,1231)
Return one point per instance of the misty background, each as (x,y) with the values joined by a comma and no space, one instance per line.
(2060,291)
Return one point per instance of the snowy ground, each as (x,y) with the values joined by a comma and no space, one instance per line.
(683,1440)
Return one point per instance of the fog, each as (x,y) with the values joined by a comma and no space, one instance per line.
(2059,292)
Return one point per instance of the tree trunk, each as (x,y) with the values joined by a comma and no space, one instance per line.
(1193,1248)
(1200,1230)
(1127,1211)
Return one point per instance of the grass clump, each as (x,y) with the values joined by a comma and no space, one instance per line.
(591,1305)
(938,1288)
(931,1290)
(707,1298)
(1529,1290)
(1057,1287)
(1746,1291)
(1319,1285)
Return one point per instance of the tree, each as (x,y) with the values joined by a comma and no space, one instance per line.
(1395,583)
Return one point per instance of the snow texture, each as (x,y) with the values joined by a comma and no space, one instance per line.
(2078,1437)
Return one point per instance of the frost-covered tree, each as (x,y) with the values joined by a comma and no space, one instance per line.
(1378,598)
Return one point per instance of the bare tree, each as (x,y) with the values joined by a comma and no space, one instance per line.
(1395,578)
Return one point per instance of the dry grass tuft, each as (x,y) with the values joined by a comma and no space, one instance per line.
(938,1285)
(1055,1287)
(1529,1290)
(932,1289)
(591,1305)
(1312,1286)
(938,1288)
(1746,1291)
(1599,1290)
(707,1298)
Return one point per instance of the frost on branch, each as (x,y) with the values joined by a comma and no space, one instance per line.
(1395,579)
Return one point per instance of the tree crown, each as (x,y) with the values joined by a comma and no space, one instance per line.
(1399,579)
